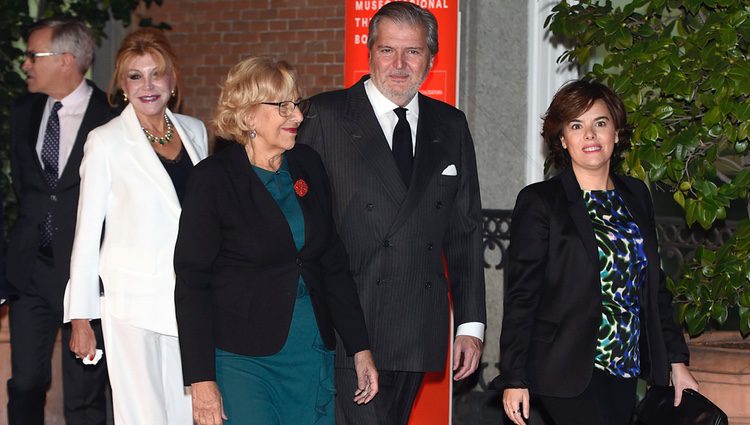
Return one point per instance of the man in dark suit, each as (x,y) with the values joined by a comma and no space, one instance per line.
(48,129)
(406,195)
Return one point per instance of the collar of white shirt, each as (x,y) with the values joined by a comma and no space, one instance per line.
(387,119)
(76,102)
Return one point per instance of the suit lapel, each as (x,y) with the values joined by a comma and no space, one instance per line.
(146,159)
(96,114)
(254,198)
(642,219)
(32,131)
(367,136)
(305,202)
(580,216)
(426,160)
(187,137)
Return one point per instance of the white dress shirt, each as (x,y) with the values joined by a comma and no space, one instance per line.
(71,116)
(387,119)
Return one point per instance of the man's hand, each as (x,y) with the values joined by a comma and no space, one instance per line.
(208,408)
(82,339)
(367,377)
(467,350)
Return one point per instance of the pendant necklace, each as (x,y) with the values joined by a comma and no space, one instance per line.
(167,136)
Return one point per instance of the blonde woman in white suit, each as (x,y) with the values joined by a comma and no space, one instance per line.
(133,175)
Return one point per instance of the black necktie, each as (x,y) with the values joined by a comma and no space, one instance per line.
(50,160)
(402,147)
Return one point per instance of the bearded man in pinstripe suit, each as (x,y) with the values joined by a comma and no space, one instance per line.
(406,196)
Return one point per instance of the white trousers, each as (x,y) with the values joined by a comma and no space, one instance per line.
(145,373)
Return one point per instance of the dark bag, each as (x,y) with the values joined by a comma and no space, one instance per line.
(657,408)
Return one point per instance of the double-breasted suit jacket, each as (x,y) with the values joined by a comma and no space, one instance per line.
(396,236)
(238,267)
(125,186)
(36,198)
(553,303)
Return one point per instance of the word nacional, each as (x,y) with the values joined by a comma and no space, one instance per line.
(377,4)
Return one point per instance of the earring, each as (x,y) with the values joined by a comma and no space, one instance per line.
(252,134)
(125,96)
(172,92)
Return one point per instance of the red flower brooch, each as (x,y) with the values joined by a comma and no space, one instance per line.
(300,188)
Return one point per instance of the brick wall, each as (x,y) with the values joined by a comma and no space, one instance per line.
(211,36)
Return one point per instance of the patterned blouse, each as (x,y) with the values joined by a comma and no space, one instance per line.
(622,262)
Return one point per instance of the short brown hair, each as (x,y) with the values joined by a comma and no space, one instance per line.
(573,100)
(250,82)
(146,41)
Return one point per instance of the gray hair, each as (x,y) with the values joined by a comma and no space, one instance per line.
(70,36)
(409,13)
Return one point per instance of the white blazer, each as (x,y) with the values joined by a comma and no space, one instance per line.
(125,186)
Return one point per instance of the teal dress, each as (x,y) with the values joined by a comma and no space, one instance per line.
(294,386)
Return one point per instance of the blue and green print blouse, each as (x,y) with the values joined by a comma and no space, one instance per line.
(622,263)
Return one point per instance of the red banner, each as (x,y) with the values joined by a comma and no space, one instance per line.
(433,404)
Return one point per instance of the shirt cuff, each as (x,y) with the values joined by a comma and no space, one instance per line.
(475,329)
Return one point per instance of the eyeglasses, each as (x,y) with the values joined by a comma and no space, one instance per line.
(287,107)
(31,56)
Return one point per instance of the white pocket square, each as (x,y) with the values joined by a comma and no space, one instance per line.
(450,171)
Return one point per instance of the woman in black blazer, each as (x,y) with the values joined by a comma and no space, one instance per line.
(587,310)
(262,277)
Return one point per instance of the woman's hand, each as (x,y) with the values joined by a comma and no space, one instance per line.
(516,404)
(82,339)
(367,377)
(208,408)
(681,379)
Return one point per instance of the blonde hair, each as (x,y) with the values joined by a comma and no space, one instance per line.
(250,82)
(146,41)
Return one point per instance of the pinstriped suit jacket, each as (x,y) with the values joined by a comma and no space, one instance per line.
(396,236)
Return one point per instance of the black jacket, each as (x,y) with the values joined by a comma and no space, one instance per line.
(238,268)
(397,237)
(34,195)
(553,295)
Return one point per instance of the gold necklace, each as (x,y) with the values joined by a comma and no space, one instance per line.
(167,136)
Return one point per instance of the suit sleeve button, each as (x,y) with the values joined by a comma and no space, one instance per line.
(386,243)
(369,207)
(438,205)
(428,285)
(429,246)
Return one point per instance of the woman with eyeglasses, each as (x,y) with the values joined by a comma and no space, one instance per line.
(262,277)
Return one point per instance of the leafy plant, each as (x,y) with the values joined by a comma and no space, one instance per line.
(15,18)
(683,72)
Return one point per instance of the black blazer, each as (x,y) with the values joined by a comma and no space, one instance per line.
(396,236)
(238,268)
(553,294)
(34,195)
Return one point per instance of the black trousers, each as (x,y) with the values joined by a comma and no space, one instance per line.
(608,400)
(392,405)
(35,318)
